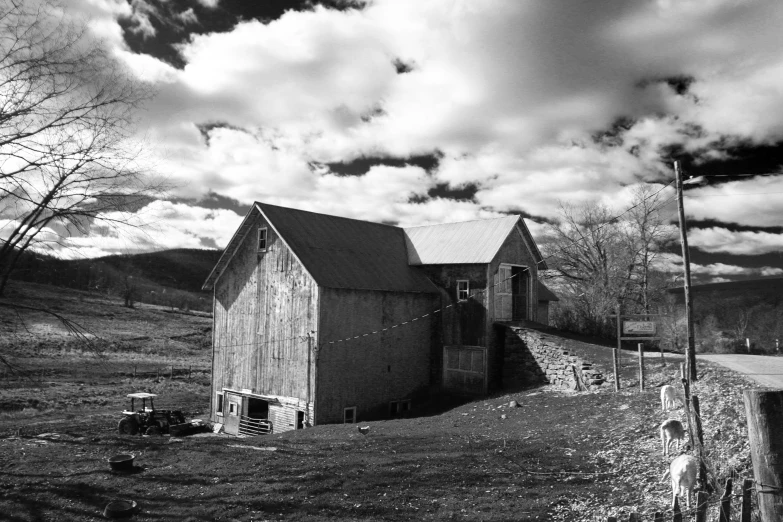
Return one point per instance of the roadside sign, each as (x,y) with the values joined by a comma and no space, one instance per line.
(639,327)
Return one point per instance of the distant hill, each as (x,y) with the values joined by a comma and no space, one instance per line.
(734,311)
(182,268)
(169,277)
(752,288)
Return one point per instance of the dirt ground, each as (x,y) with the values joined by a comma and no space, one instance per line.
(555,455)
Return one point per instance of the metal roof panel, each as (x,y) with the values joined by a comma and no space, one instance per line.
(458,243)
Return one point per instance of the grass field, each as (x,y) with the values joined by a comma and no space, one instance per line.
(556,456)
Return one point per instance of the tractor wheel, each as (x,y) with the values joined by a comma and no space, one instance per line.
(153,430)
(128,426)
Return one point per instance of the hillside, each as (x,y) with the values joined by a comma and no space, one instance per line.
(726,314)
(763,289)
(553,455)
(169,277)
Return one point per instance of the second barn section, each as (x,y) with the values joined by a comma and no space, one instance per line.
(324,319)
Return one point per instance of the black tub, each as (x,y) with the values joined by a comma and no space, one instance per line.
(122,462)
(119,509)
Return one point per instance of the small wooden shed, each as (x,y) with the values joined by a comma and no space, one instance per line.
(323,319)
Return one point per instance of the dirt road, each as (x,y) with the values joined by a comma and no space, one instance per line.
(765,370)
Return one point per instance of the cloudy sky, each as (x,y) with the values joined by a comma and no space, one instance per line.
(415,112)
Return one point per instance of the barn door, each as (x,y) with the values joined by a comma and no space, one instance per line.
(503,294)
(232,411)
(520,284)
(465,369)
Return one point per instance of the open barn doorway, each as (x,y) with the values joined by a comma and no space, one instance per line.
(257,408)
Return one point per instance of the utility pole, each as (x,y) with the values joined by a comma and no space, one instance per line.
(690,351)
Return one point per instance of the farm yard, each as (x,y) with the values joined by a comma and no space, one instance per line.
(554,455)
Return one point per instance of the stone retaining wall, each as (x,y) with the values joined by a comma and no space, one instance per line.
(532,357)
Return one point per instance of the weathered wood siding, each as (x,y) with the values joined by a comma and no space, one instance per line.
(458,324)
(375,369)
(283,415)
(514,251)
(463,323)
(265,305)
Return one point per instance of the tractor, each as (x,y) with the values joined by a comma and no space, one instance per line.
(147,420)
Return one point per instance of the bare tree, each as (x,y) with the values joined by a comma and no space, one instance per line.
(646,233)
(590,261)
(66,127)
(601,259)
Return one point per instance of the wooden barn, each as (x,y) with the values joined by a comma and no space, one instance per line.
(323,319)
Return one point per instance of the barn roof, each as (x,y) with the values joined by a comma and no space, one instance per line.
(349,253)
(464,243)
(339,252)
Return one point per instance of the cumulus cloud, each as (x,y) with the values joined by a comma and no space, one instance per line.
(702,273)
(509,93)
(530,102)
(158,226)
(717,272)
(747,243)
(756,202)
(188,16)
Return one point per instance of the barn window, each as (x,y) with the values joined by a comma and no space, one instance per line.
(399,407)
(219,403)
(349,415)
(262,239)
(463,289)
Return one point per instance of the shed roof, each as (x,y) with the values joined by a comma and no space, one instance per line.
(340,252)
(545,294)
(463,243)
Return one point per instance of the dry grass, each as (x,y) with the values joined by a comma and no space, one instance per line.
(558,456)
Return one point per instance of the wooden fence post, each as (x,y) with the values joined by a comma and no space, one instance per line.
(699,441)
(701,506)
(658,517)
(747,487)
(725,503)
(616,351)
(686,389)
(171,375)
(641,366)
(764,412)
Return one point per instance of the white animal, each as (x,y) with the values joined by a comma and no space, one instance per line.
(668,397)
(364,430)
(671,431)
(683,471)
